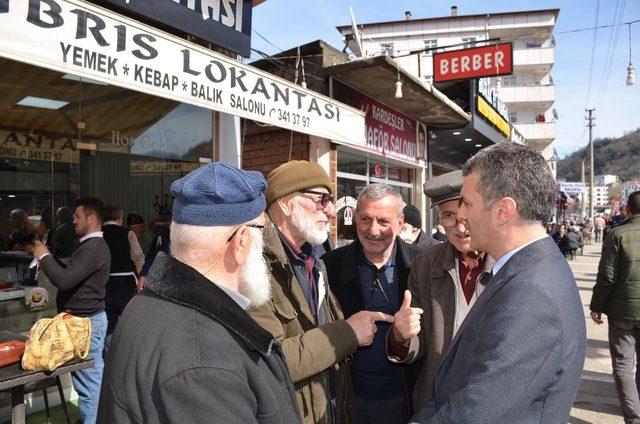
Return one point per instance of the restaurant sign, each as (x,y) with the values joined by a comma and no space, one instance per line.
(489,105)
(72,36)
(226,23)
(389,132)
(476,62)
(28,146)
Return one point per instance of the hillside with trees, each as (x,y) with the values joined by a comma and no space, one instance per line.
(612,156)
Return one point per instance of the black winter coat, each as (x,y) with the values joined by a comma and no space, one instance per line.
(344,279)
(185,352)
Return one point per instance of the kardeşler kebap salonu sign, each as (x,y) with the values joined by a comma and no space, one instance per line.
(76,37)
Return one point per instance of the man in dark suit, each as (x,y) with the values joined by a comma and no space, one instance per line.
(518,356)
(371,274)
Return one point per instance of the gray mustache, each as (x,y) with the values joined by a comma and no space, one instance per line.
(455,232)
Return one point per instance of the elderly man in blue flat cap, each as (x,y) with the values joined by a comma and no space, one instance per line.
(185,350)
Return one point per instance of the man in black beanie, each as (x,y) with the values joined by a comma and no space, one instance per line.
(411,231)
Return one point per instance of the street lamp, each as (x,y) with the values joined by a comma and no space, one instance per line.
(631,75)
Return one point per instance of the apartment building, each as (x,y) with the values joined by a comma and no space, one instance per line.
(528,93)
(600,195)
(628,188)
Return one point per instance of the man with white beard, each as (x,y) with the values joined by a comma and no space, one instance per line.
(303,314)
(185,350)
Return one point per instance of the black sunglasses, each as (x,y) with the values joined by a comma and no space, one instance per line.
(326,197)
(260,227)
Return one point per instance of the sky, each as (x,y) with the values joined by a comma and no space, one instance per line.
(289,23)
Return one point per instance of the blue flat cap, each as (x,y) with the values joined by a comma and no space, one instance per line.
(217,195)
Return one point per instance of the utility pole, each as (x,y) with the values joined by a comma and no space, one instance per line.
(590,123)
(583,194)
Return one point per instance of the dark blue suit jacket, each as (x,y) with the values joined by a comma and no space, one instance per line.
(518,355)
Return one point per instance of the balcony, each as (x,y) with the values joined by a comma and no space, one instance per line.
(544,95)
(538,131)
(534,59)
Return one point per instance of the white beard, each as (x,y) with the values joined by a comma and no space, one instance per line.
(307,227)
(254,283)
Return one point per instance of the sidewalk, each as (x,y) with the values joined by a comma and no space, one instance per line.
(596,401)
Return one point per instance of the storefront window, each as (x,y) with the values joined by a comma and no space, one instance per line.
(62,137)
(352,163)
(403,175)
(377,168)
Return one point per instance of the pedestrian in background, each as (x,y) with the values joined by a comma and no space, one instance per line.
(81,291)
(411,231)
(617,294)
(126,263)
(598,224)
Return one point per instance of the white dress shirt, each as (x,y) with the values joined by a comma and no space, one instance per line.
(505,258)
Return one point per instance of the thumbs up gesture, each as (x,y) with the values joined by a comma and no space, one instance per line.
(406,322)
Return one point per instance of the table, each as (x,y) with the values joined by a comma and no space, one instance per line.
(14,378)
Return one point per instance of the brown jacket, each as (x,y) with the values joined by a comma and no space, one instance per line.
(432,282)
(309,350)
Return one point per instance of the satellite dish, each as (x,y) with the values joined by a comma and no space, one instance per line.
(356,36)
(555,114)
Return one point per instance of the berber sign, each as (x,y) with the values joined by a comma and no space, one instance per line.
(72,36)
(477,62)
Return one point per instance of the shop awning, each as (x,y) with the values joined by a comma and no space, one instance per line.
(376,77)
(154,62)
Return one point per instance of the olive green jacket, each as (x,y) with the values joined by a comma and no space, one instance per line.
(309,349)
(617,289)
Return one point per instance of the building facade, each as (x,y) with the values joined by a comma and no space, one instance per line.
(528,94)
(627,189)
(394,149)
(105,100)
(600,196)
(606,179)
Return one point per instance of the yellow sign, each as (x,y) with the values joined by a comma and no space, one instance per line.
(27,146)
(485,109)
(153,167)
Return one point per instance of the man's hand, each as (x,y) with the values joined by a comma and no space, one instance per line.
(363,324)
(597,317)
(406,322)
(141,283)
(39,250)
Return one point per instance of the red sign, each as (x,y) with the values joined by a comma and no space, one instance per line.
(477,62)
(389,132)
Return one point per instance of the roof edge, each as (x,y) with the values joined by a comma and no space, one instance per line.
(555,12)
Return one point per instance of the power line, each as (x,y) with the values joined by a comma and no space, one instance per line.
(609,66)
(593,54)
(607,56)
(267,41)
(592,28)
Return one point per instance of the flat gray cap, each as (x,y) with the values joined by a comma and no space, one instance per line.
(444,187)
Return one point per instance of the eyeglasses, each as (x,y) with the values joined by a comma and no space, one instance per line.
(448,218)
(260,227)
(324,200)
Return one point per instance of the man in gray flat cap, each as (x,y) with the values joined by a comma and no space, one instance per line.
(185,349)
(444,283)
